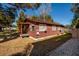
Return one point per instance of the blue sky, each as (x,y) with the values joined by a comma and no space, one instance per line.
(60,12)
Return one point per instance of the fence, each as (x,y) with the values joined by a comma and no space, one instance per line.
(75,33)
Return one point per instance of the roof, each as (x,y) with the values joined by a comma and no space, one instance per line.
(43,22)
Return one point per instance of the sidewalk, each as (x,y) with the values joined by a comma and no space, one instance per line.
(44,38)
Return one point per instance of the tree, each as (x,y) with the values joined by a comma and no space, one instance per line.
(2,18)
(46,18)
(34,18)
(10,16)
(7,16)
(44,13)
(75,10)
(25,5)
(8,13)
(21,18)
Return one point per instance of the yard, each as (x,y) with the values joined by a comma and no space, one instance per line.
(41,48)
(26,46)
(7,35)
(13,46)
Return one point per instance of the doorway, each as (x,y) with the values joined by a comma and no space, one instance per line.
(25,28)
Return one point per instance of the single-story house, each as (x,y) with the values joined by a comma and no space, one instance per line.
(39,28)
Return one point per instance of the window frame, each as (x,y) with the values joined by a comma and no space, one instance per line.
(42,27)
(54,28)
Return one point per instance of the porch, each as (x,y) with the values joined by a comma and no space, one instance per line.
(23,30)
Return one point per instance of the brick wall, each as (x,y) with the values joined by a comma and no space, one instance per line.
(48,32)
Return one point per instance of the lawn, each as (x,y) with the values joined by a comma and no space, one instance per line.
(14,46)
(41,48)
(23,46)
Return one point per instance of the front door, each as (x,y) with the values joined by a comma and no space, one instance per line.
(25,28)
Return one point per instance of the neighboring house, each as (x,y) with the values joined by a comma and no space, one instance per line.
(40,28)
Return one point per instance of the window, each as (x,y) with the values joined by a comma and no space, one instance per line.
(32,27)
(54,28)
(42,27)
(59,28)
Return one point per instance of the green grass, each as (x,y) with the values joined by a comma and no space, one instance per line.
(41,48)
(63,37)
(45,46)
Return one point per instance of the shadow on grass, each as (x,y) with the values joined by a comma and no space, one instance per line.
(41,48)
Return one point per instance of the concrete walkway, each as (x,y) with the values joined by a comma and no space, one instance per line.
(70,48)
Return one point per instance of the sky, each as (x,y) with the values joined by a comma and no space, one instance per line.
(60,12)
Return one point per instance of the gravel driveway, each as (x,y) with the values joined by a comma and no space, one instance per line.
(70,48)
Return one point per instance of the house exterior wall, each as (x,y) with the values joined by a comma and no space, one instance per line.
(48,32)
